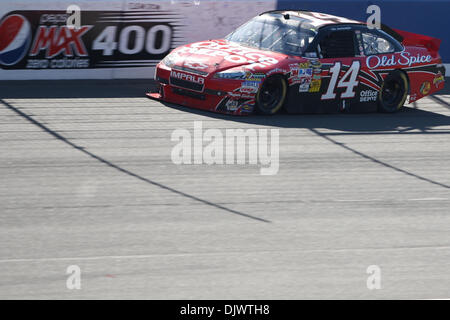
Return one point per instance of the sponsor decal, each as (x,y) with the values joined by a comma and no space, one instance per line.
(187,77)
(276,70)
(438,79)
(234,94)
(303,65)
(425,88)
(368,95)
(315,85)
(231,53)
(143,6)
(195,65)
(304,84)
(340,28)
(15,39)
(43,39)
(361,50)
(305,73)
(404,59)
(238,95)
(258,77)
(247,107)
(293,69)
(360,41)
(251,83)
(232,105)
(250,86)
(315,63)
(297,73)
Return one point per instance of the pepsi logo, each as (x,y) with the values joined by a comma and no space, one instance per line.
(15,39)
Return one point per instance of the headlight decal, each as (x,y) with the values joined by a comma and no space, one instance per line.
(232,74)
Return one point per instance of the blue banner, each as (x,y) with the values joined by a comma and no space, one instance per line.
(430,18)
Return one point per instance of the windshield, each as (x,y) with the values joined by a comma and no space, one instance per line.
(275,33)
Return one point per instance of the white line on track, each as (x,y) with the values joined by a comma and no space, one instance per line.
(147,256)
(428,199)
(380,200)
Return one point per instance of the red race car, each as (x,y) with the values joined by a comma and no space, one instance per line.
(306,62)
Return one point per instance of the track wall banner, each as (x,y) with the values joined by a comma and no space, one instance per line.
(115,39)
(126,38)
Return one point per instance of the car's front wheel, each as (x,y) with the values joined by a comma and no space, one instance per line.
(393,92)
(270,97)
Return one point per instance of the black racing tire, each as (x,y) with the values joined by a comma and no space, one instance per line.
(393,92)
(271,96)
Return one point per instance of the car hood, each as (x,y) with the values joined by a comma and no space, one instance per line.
(217,55)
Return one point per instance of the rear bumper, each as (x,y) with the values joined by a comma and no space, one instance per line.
(442,69)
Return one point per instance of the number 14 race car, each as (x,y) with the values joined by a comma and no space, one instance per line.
(306,62)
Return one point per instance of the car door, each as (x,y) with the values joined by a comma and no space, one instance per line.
(340,61)
(333,62)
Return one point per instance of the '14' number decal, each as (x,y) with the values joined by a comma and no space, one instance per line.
(348,81)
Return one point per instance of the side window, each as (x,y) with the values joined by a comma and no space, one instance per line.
(337,44)
(375,44)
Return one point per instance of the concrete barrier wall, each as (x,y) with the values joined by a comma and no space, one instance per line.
(126,38)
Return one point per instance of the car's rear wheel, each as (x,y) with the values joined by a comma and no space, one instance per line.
(270,97)
(393,92)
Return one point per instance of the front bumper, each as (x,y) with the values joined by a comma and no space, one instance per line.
(217,95)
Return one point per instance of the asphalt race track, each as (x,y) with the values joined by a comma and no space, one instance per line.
(87,179)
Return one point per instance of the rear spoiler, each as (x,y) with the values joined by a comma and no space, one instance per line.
(409,38)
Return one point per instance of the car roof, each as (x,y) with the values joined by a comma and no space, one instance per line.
(318,19)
